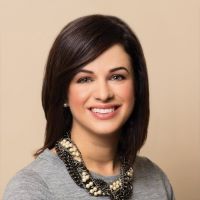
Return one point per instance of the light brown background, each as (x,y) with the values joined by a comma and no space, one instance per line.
(169,31)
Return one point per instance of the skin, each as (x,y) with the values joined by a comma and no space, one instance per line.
(106,82)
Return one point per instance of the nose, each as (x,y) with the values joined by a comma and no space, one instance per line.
(103,91)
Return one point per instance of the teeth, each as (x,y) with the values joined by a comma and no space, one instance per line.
(103,111)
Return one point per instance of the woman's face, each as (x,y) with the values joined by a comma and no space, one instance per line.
(101,95)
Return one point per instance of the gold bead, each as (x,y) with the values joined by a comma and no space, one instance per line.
(91,191)
(77,153)
(91,183)
(67,146)
(77,159)
(99,191)
(87,185)
(84,180)
(84,173)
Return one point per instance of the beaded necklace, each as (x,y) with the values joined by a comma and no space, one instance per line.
(120,189)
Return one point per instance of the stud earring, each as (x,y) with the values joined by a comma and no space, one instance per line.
(65,105)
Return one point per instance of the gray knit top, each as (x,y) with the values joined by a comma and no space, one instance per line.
(47,178)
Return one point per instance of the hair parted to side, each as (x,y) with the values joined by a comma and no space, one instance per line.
(79,43)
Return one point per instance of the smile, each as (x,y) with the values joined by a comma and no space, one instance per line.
(103,111)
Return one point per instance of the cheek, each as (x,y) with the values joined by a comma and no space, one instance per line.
(77,96)
(129,98)
(127,92)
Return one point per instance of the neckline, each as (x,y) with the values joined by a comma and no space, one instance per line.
(47,152)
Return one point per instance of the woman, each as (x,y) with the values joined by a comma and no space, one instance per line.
(96,102)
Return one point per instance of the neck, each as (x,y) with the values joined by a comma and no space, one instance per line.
(98,152)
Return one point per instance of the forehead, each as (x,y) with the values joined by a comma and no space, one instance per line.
(115,56)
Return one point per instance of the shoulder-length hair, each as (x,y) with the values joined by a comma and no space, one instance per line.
(79,43)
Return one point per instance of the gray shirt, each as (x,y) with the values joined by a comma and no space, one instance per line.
(47,178)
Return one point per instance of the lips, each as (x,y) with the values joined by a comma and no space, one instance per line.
(104,112)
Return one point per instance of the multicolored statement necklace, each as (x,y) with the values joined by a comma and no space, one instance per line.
(120,189)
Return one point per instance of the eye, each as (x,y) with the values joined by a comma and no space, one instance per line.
(84,80)
(117,77)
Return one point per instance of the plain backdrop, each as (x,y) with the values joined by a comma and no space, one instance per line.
(169,31)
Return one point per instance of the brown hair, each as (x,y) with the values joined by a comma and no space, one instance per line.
(79,43)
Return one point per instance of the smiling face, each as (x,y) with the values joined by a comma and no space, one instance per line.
(101,94)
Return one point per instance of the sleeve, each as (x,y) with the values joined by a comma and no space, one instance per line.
(27,185)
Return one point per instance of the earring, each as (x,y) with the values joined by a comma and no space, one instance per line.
(65,105)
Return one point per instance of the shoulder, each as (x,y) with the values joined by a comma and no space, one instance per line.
(149,177)
(32,181)
(145,167)
(26,184)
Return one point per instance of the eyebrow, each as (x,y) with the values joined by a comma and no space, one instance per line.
(111,70)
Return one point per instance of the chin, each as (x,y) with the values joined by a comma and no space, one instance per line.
(105,131)
(105,127)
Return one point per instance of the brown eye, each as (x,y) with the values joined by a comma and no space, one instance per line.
(117,77)
(84,80)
